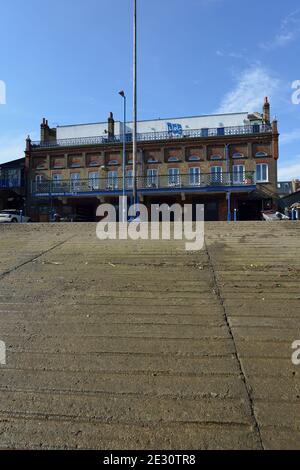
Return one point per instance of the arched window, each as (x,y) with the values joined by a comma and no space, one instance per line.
(261,154)
(173,159)
(152,160)
(216,157)
(113,163)
(194,158)
(238,155)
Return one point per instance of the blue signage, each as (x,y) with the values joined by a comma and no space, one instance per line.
(175,129)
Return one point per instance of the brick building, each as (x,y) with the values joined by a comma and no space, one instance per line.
(12,184)
(213,159)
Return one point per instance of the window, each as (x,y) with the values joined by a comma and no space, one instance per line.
(194,158)
(216,157)
(174,177)
(194,176)
(112,180)
(58,163)
(56,180)
(152,178)
(261,154)
(13,177)
(113,163)
(216,174)
(238,174)
(94,160)
(39,180)
(75,181)
(129,179)
(262,173)
(173,159)
(93,180)
(75,162)
(41,164)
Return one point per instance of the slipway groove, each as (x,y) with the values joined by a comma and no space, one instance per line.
(120,345)
(250,398)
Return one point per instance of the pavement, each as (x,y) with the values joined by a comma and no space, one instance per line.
(143,345)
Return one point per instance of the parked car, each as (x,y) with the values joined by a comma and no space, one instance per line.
(13,216)
(270,216)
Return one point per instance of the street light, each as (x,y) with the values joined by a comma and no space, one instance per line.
(124,217)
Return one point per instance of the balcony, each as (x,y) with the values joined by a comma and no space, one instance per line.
(156,136)
(188,183)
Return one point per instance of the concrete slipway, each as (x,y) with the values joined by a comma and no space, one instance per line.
(142,345)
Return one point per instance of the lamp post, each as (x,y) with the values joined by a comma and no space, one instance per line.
(122,94)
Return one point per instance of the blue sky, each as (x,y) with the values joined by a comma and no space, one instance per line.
(67,60)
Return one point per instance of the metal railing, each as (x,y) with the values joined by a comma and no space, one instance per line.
(144,183)
(157,136)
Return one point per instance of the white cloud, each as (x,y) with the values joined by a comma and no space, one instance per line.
(252,85)
(290,137)
(289,31)
(289,172)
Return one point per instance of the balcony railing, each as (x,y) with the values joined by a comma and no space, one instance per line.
(157,136)
(172,183)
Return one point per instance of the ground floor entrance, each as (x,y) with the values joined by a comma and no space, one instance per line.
(217,206)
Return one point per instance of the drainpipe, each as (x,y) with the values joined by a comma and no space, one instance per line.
(227,161)
(228,206)
(229,181)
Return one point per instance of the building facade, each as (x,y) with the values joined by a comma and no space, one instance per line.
(285,188)
(227,162)
(12,184)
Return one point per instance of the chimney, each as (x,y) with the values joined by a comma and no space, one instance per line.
(44,131)
(266,111)
(275,139)
(28,143)
(111,125)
